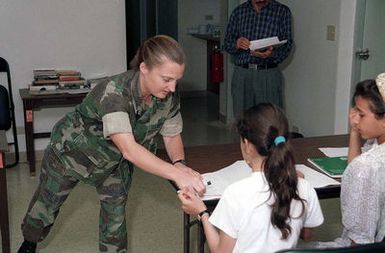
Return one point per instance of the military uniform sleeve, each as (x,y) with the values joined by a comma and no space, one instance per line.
(173,126)
(116,122)
(113,110)
(174,123)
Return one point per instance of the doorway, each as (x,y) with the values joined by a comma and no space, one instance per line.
(370,40)
(147,18)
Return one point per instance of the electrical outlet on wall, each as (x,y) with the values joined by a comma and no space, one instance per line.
(331,32)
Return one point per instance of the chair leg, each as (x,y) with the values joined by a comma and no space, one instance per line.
(16,147)
(15,142)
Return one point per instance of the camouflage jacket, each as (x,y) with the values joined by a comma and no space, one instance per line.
(78,138)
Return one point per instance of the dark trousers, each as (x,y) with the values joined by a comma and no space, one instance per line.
(250,87)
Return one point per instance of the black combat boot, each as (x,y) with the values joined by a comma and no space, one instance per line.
(27,247)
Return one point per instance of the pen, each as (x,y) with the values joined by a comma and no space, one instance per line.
(208,183)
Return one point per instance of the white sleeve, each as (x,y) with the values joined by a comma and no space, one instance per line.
(314,216)
(225,216)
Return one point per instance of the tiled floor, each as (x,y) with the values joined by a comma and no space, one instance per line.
(154,218)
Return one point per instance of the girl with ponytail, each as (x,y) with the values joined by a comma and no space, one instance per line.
(272,208)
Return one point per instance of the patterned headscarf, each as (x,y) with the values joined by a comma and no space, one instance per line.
(380,81)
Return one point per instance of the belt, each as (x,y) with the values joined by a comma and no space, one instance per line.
(258,66)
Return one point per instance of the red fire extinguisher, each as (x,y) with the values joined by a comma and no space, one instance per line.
(216,69)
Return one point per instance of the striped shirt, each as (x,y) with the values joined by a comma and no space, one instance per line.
(274,19)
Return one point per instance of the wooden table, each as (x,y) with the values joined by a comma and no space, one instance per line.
(32,103)
(210,158)
(4,222)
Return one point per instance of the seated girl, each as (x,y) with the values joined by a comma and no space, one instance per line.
(269,210)
(363,182)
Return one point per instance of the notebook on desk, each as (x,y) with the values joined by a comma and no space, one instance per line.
(332,166)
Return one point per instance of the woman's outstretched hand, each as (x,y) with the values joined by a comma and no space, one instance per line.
(190,178)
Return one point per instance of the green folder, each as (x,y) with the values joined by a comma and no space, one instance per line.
(332,166)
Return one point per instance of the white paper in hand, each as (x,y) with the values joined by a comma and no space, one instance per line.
(265,43)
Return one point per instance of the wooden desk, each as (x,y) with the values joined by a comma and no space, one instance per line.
(4,222)
(213,157)
(32,103)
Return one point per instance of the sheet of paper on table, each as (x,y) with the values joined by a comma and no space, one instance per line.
(222,178)
(335,152)
(315,178)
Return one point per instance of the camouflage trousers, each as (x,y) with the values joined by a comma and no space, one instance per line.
(54,188)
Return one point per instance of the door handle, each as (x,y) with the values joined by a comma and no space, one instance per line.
(363,54)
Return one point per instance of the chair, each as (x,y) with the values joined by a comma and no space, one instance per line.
(4,67)
(364,248)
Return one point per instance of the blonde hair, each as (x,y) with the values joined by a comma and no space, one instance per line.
(155,49)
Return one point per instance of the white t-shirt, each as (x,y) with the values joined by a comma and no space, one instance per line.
(244,213)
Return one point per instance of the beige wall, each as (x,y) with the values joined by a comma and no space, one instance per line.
(317,74)
(87,35)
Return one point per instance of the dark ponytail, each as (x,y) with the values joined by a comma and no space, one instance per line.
(261,125)
(368,90)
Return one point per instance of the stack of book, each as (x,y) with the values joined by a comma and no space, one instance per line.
(51,81)
(70,79)
(44,79)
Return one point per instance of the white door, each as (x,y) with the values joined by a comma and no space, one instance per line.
(370,39)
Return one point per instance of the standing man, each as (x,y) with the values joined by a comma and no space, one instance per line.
(257,77)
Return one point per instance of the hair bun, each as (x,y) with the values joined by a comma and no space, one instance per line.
(380,81)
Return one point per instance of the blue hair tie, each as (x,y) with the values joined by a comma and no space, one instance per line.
(279,139)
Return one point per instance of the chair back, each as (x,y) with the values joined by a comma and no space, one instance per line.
(4,67)
(364,248)
(5,113)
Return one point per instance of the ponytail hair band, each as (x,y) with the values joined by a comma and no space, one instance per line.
(279,139)
(380,82)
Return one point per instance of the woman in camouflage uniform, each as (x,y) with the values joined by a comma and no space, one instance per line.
(109,133)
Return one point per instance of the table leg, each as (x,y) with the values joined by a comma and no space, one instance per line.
(186,233)
(201,238)
(4,222)
(29,139)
